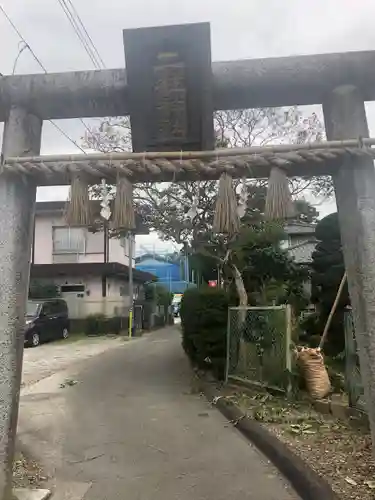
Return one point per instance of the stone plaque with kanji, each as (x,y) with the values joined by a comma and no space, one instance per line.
(169,80)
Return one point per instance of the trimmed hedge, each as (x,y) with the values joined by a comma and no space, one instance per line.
(98,324)
(204,314)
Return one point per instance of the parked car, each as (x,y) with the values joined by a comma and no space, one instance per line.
(46,320)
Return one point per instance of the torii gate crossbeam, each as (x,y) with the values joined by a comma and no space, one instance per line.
(251,83)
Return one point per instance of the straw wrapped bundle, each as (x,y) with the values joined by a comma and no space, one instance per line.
(78,209)
(311,362)
(123,210)
(226,218)
(279,203)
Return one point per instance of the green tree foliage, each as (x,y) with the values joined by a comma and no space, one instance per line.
(328,263)
(163,296)
(40,290)
(205,267)
(155,292)
(269,274)
(327,271)
(204,314)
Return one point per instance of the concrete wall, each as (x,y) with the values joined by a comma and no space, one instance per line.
(94,251)
(91,301)
(43,246)
(298,239)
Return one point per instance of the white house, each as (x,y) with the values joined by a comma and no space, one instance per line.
(91,269)
(300,241)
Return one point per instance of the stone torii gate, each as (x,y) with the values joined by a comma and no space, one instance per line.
(340,82)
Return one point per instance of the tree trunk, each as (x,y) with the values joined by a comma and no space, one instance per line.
(241,358)
(241,290)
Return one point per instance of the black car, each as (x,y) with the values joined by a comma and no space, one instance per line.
(46,320)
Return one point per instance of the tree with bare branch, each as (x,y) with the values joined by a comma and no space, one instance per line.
(165,205)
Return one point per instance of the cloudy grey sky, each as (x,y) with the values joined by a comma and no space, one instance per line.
(239,29)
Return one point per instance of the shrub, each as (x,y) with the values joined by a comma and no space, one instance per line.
(98,324)
(94,324)
(40,290)
(327,271)
(150,292)
(154,292)
(204,314)
(313,325)
(114,325)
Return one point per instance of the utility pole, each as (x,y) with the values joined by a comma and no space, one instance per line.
(186,262)
(105,213)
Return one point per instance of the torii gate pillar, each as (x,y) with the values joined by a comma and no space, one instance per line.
(22,136)
(354,182)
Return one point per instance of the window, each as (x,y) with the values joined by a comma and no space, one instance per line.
(48,309)
(72,288)
(59,306)
(32,308)
(53,307)
(69,240)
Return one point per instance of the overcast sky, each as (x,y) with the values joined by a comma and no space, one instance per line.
(239,29)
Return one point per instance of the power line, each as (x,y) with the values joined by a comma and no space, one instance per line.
(22,38)
(94,48)
(78,32)
(27,45)
(67,136)
(83,35)
(20,51)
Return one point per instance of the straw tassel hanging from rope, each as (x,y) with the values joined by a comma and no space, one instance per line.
(123,210)
(226,218)
(279,203)
(78,210)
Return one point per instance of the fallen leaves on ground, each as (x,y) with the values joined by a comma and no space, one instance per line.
(68,383)
(26,472)
(335,450)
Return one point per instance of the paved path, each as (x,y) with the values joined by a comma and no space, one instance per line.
(47,359)
(130,428)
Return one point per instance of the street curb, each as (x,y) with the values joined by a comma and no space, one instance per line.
(306,482)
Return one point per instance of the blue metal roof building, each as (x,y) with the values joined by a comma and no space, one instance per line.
(169,274)
(164,270)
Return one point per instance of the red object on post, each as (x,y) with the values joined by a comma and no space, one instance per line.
(212,283)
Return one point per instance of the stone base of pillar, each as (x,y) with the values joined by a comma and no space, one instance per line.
(29,494)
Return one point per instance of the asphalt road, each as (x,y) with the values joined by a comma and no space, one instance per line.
(129,426)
